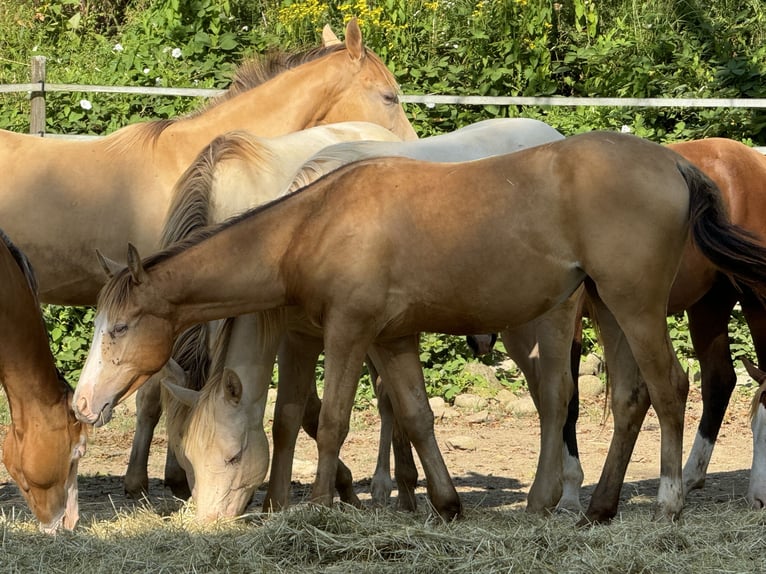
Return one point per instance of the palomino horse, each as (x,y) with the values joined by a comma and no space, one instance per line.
(610,210)
(249,171)
(77,195)
(239,166)
(44,441)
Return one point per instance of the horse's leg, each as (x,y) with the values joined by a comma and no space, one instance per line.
(346,343)
(404,464)
(629,403)
(344,480)
(755,313)
(639,347)
(551,389)
(148,413)
(399,364)
(298,354)
(381,484)
(709,330)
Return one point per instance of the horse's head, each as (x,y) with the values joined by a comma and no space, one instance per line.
(42,458)
(132,339)
(365,89)
(219,441)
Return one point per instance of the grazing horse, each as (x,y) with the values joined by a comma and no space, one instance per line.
(45,441)
(382,249)
(234,172)
(78,195)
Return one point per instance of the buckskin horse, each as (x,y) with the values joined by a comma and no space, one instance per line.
(609,210)
(44,441)
(235,171)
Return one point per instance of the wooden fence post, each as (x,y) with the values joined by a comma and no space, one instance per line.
(37,98)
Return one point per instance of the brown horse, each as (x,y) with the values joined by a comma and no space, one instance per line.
(45,441)
(61,199)
(383,249)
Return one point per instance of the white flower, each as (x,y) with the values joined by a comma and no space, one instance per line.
(430,105)
(625,129)
(85,104)
(245,28)
(117,47)
(146,71)
(176,53)
(158,80)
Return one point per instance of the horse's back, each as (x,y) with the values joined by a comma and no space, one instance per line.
(482,139)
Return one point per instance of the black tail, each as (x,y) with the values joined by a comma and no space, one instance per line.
(734,250)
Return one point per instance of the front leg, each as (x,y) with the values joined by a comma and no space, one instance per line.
(399,365)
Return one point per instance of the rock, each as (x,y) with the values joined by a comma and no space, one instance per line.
(462,442)
(470,402)
(438,406)
(591,365)
(521,406)
(590,386)
(505,396)
(476,418)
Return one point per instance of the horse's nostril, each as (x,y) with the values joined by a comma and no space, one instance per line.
(82,404)
(758,504)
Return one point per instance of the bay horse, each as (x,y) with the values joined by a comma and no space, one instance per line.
(239,167)
(44,441)
(609,210)
(62,198)
(233,173)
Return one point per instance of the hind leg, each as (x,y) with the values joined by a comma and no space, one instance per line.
(708,327)
(542,350)
(399,364)
(640,322)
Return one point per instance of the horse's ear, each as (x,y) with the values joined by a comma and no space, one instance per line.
(232,386)
(110,266)
(328,36)
(354,43)
(753,371)
(135,266)
(188,397)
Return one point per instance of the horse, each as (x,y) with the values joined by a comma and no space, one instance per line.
(45,441)
(708,298)
(236,171)
(228,168)
(75,195)
(383,249)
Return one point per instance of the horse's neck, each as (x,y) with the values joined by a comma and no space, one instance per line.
(236,271)
(289,102)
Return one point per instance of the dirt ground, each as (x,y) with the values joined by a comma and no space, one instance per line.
(495,472)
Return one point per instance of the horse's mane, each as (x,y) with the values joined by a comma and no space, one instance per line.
(190,205)
(249,74)
(332,158)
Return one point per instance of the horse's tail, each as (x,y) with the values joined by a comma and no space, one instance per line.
(736,251)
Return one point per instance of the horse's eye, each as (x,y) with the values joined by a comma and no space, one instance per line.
(119,329)
(236,459)
(391,98)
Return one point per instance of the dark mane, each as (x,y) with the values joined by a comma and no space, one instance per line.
(21,260)
(248,75)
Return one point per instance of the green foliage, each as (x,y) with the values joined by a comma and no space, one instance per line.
(656,48)
(70,330)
